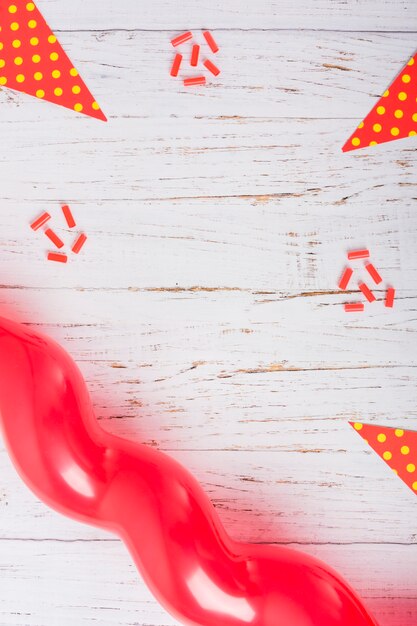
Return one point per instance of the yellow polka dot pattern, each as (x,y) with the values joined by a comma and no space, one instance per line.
(33,61)
(395,114)
(397,447)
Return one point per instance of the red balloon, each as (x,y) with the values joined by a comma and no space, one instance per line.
(197,572)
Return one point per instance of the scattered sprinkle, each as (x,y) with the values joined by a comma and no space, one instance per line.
(352,307)
(176,65)
(59,257)
(52,236)
(177,41)
(196,80)
(358,254)
(374,274)
(68,216)
(346,276)
(40,221)
(389,298)
(195,54)
(211,67)
(210,40)
(367,292)
(78,243)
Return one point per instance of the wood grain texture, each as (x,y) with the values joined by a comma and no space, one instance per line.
(374,15)
(264,74)
(204,310)
(88,592)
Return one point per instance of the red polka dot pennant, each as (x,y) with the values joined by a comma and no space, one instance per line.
(397,447)
(394,116)
(32,60)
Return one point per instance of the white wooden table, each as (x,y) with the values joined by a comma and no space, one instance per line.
(204,309)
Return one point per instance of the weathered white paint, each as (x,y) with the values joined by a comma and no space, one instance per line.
(204,310)
(88,582)
(263,74)
(238,14)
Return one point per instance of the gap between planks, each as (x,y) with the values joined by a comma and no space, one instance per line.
(275,543)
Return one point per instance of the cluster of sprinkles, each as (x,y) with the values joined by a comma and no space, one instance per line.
(81,238)
(397,447)
(194,58)
(394,116)
(355,307)
(32,61)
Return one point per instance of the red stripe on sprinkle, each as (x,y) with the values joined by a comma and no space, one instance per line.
(358,254)
(210,40)
(373,273)
(40,221)
(176,65)
(211,67)
(78,243)
(389,298)
(177,41)
(344,281)
(195,53)
(367,292)
(58,257)
(354,306)
(197,80)
(68,216)
(54,238)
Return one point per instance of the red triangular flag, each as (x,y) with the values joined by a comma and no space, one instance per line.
(397,447)
(33,61)
(394,116)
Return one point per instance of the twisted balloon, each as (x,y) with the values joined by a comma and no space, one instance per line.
(197,572)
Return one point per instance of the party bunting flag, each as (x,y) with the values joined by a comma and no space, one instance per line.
(397,447)
(394,116)
(33,61)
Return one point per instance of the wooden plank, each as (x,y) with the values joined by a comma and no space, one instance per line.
(264,74)
(267,159)
(265,14)
(282,219)
(273,495)
(258,248)
(86,583)
(227,334)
